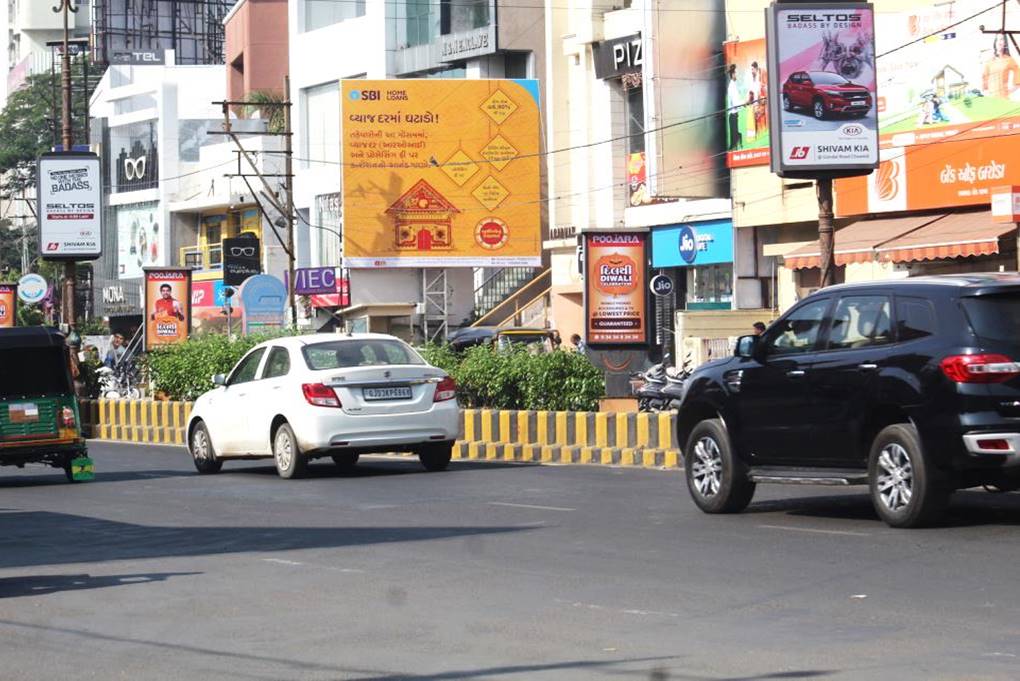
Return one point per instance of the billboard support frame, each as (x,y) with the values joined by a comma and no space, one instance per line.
(823,178)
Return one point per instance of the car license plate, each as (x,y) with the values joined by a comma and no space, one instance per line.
(25,412)
(402,392)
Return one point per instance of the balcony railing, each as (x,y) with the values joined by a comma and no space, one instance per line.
(208,257)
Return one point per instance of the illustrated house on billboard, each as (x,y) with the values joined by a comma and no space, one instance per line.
(423,219)
(949,82)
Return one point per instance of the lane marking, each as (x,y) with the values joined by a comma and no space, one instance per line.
(788,528)
(281,561)
(531,506)
(294,563)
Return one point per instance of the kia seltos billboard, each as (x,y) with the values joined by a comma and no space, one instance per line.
(822,100)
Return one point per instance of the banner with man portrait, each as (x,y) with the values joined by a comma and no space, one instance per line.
(167,306)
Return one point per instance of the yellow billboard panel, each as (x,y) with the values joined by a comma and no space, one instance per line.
(441,173)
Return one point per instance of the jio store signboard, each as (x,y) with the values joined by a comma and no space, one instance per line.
(823,94)
(615,290)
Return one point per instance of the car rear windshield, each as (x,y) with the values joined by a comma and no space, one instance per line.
(33,372)
(995,318)
(341,354)
(826,78)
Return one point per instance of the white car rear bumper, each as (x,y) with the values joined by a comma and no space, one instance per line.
(332,429)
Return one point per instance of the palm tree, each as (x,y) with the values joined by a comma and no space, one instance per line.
(265,104)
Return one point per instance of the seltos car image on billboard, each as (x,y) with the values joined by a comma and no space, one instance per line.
(440,173)
(822,88)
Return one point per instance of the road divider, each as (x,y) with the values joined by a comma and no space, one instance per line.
(559,437)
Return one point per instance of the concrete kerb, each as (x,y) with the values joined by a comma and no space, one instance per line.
(645,440)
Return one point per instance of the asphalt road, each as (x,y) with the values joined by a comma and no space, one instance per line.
(487,571)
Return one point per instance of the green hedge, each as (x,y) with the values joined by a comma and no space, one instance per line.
(518,379)
(515,379)
(183,372)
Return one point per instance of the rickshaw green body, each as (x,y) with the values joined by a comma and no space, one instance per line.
(39,417)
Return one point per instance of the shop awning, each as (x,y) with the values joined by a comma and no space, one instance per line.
(857,242)
(957,235)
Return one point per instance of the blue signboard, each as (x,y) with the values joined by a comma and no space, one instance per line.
(264,298)
(693,243)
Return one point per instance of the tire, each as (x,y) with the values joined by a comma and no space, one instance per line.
(907,490)
(435,458)
(202,453)
(290,462)
(716,477)
(818,109)
(345,462)
(67,470)
(787,105)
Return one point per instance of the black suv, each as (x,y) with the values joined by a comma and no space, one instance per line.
(911,387)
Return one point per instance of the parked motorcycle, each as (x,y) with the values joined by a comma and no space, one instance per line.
(659,386)
(121,382)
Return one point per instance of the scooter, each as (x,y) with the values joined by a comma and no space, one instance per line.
(676,384)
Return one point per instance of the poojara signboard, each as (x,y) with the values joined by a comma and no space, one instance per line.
(615,291)
(167,306)
(441,173)
(8,305)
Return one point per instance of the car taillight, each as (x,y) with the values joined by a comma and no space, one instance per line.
(984,368)
(67,418)
(320,395)
(445,390)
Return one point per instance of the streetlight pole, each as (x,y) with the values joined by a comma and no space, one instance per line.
(67,7)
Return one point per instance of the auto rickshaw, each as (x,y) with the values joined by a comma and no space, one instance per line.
(39,420)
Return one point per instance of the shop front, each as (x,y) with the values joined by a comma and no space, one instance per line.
(698,257)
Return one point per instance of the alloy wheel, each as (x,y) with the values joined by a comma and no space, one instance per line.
(819,110)
(895,477)
(284,450)
(706,469)
(200,445)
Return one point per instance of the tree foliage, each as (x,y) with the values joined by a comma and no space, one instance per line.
(30,125)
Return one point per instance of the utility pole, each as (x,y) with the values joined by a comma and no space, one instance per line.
(289,172)
(823,187)
(285,207)
(67,289)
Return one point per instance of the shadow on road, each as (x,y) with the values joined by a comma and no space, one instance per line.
(378,466)
(967,508)
(42,585)
(46,538)
(55,476)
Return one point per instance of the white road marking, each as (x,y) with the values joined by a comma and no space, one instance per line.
(859,596)
(532,506)
(630,611)
(816,531)
(294,563)
(281,561)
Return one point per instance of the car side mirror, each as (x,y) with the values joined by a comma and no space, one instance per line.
(219,379)
(747,346)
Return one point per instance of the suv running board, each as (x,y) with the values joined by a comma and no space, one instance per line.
(808,476)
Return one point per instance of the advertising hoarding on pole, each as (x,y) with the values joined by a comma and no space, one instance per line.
(823,99)
(167,306)
(441,173)
(70,206)
(8,305)
(615,292)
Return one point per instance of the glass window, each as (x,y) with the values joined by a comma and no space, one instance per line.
(353,353)
(245,370)
(422,22)
(636,120)
(322,13)
(458,16)
(915,318)
(710,286)
(859,322)
(994,317)
(33,372)
(517,64)
(322,125)
(278,363)
(798,331)
(133,104)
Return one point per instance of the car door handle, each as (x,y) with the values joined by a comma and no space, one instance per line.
(794,373)
(867,366)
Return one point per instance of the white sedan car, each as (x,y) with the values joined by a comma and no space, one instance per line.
(304,397)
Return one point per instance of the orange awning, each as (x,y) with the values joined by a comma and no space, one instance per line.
(856,242)
(957,235)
